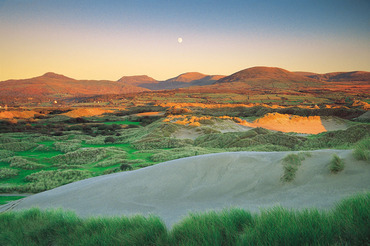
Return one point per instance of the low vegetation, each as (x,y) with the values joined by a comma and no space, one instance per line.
(346,224)
(362,150)
(101,145)
(45,180)
(336,164)
(290,164)
(22,163)
(8,172)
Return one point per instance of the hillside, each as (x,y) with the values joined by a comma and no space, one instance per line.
(137,80)
(182,81)
(343,76)
(268,77)
(53,86)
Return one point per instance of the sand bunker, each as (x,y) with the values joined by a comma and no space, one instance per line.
(86,112)
(249,180)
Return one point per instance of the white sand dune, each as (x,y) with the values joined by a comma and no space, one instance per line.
(249,180)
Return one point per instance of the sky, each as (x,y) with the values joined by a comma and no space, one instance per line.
(96,39)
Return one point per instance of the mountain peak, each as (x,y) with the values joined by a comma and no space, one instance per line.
(267,74)
(52,75)
(137,79)
(188,77)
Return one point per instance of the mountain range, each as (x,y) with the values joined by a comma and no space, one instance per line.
(181,81)
(51,85)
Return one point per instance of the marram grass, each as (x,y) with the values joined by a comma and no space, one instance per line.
(346,224)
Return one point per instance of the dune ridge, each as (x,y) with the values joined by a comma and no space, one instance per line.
(249,180)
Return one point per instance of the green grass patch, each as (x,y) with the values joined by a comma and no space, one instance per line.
(6,199)
(345,224)
(122,122)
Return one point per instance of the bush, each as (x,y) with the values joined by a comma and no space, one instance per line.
(45,180)
(67,146)
(22,163)
(362,150)
(161,143)
(291,163)
(109,140)
(8,172)
(125,167)
(18,146)
(81,156)
(336,164)
(112,160)
(6,153)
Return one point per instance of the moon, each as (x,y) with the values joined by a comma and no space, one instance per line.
(179,40)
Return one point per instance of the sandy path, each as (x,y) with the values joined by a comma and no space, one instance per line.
(249,180)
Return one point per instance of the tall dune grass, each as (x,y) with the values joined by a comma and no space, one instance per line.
(347,224)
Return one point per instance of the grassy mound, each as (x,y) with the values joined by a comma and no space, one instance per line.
(347,224)
(45,180)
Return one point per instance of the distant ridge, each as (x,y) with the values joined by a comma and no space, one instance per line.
(343,76)
(181,81)
(265,74)
(52,86)
(137,80)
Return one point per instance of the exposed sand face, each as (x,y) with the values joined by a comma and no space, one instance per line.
(17,114)
(249,180)
(298,124)
(150,114)
(86,112)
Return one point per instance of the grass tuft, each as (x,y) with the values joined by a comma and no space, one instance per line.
(336,164)
(362,150)
(291,163)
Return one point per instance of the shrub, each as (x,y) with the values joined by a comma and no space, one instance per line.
(45,180)
(109,140)
(125,167)
(67,146)
(18,146)
(290,163)
(22,163)
(81,156)
(161,143)
(6,153)
(336,164)
(111,161)
(362,150)
(8,172)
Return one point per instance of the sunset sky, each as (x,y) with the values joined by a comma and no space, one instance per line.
(109,39)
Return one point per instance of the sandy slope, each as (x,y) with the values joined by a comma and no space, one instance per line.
(249,180)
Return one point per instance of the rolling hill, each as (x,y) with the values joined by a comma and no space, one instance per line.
(342,76)
(182,81)
(268,77)
(54,86)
